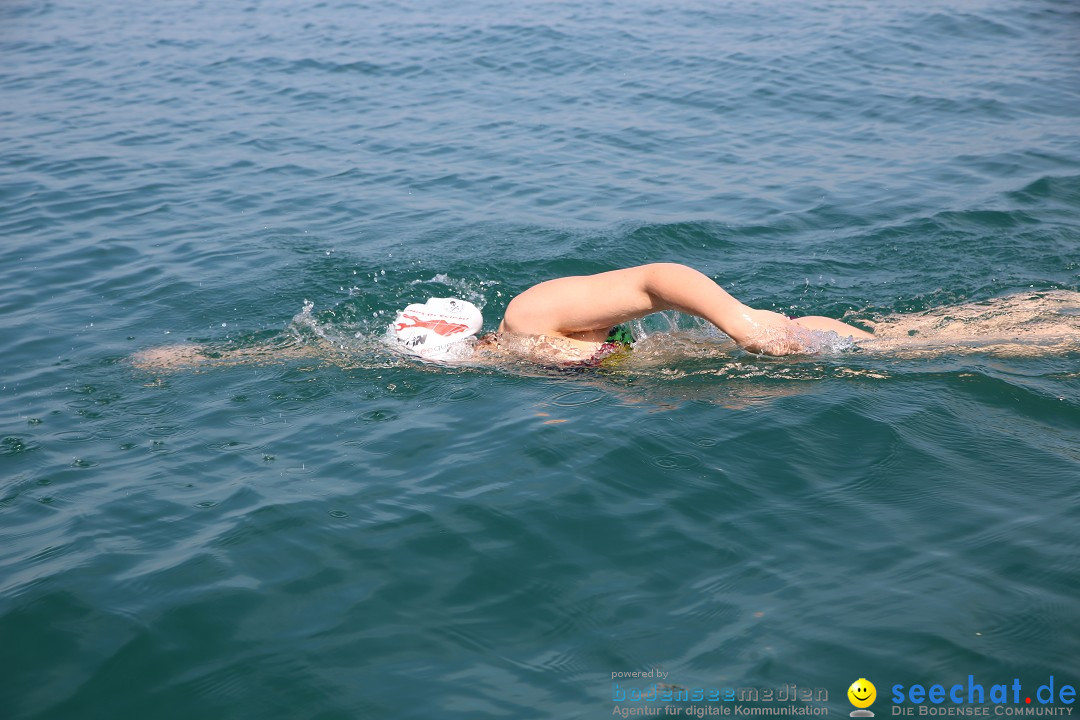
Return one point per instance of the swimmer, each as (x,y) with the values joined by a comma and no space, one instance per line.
(578,320)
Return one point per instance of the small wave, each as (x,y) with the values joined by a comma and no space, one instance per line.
(471,290)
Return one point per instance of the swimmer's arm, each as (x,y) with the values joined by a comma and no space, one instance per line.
(574,305)
(176,357)
(677,287)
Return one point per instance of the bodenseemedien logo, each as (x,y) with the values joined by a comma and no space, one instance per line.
(862,694)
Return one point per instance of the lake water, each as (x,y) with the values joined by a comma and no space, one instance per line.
(349,534)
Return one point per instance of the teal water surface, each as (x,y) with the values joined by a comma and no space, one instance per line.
(349,534)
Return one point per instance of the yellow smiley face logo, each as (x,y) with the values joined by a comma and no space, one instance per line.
(862,693)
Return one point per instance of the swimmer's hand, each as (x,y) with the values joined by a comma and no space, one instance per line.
(769,333)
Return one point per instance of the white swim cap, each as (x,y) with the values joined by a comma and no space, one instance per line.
(437,329)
